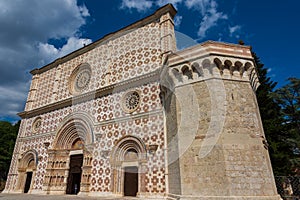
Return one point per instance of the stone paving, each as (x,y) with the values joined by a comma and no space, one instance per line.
(55,197)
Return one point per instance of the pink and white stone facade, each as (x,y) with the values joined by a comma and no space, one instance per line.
(128,100)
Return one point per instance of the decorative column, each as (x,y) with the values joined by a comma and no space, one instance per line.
(86,173)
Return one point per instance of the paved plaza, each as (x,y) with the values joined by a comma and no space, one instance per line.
(55,197)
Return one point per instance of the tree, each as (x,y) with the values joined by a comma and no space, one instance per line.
(272,120)
(8,135)
(288,98)
(280,114)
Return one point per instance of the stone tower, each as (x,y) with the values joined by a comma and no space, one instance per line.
(129,115)
(215,137)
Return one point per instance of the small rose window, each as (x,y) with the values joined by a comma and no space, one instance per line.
(36,124)
(131,101)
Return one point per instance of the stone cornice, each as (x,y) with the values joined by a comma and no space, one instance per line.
(155,16)
(208,79)
(210,48)
(115,120)
(131,117)
(147,78)
(41,135)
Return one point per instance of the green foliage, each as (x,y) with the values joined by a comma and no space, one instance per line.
(288,98)
(279,119)
(271,118)
(8,135)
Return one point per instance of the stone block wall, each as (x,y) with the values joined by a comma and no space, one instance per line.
(219,136)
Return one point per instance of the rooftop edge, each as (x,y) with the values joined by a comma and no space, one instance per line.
(162,10)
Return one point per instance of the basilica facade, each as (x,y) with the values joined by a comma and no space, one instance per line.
(130,115)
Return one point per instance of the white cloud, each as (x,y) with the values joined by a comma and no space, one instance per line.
(84,11)
(177,20)
(164,2)
(209,12)
(144,5)
(139,5)
(24,30)
(233,29)
(210,20)
(201,5)
(50,52)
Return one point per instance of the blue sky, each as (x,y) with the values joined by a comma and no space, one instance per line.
(32,36)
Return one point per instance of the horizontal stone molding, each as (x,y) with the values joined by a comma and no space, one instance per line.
(133,117)
(116,120)
(131,83)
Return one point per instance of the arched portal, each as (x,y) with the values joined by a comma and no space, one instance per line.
(69,165)
(128,159)
(72,130)
(26,169)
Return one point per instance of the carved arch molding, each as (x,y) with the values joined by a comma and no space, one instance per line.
(130,151)
(74,137)
(27,166)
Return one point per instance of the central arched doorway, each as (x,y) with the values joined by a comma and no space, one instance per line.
(75,172)
(75,168)
(131,181)
(70,159)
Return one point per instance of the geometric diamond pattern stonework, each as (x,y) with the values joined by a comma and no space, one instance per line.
(130,115)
